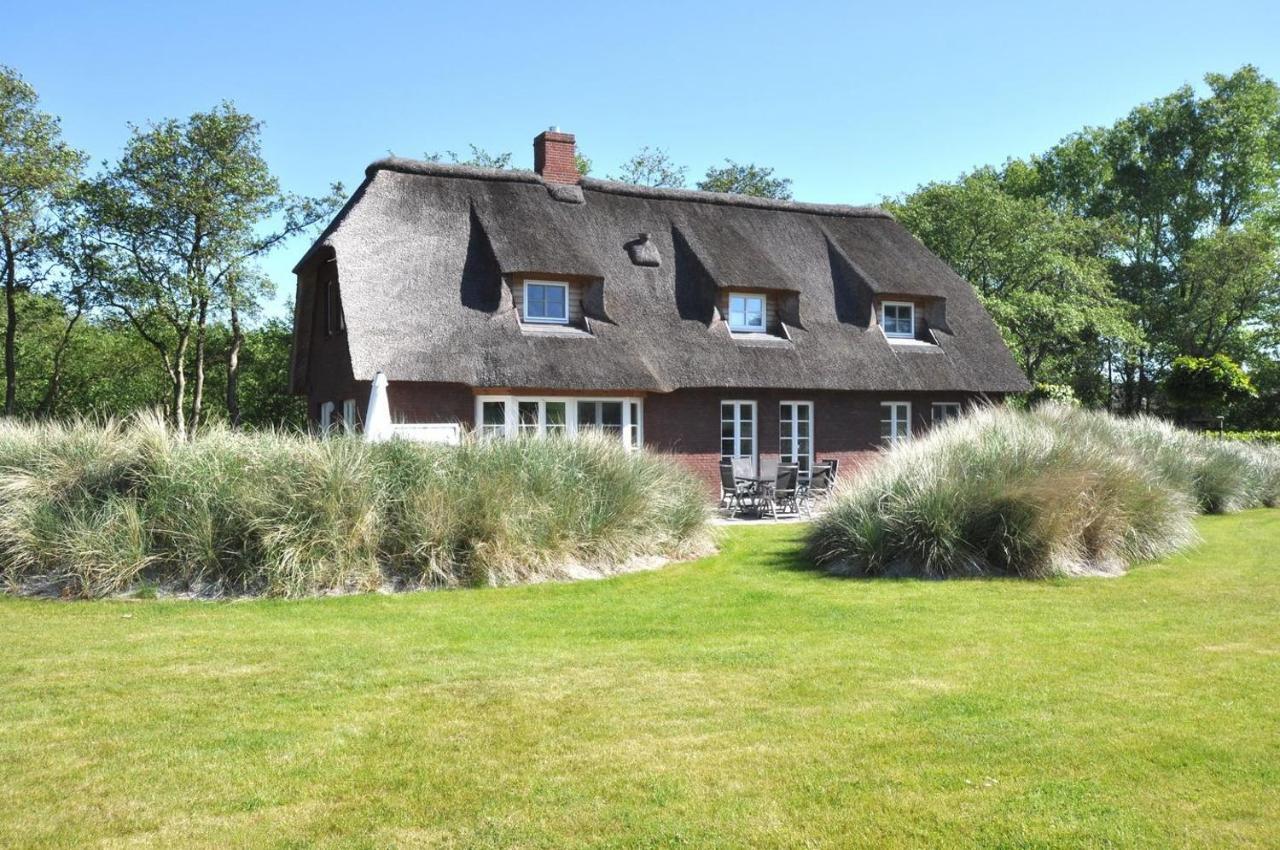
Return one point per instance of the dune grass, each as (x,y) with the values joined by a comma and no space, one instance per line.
(1056,491)
(744,700)
(92,509)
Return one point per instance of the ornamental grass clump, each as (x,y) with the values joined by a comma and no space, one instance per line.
(94,509)
(1002,493)
(1053,492)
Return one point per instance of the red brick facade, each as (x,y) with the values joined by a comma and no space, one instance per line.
(685,423)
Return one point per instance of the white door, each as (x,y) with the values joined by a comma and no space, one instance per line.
(795,435)
(738,433)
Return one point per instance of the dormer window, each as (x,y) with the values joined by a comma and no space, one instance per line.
(746,313)
(546,302)
(898,319)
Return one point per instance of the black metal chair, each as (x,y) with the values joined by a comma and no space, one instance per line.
(783,493)
(818,488)
(733,492)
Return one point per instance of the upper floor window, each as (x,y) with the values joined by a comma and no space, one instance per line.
(746,313)
(898,319)
(545,301)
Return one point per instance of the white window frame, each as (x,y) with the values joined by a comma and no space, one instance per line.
(739,404)
(894,408)
(511,415)
(326,416)
(764,313)
(945,405)
(784,450)
(544,320)
(911,320)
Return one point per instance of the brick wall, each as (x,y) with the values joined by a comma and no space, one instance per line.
(846,425)
(686,423)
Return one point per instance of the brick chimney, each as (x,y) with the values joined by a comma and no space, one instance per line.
(553,157)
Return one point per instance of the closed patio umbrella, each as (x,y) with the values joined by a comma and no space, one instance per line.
(377,419)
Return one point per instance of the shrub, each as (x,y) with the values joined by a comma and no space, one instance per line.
(1054,491)
(93,509)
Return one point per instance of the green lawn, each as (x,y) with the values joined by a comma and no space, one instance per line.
(736,701)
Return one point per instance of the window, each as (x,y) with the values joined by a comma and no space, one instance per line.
(737,431)
(334,321)
(349,414)
(503,416)
(604,416)
(795,435)
(546,302)
(493,418)
(746,313)
(895,422)
(326,416)
(898,319)
(945,411)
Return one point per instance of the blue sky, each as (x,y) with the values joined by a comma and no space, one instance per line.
(853,101)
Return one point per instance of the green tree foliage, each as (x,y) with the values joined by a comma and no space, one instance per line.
(1036,269)
(1177,205)
(180,219)
(480,158)
(37,171)
(1198,386)
(652,167)
(746,179)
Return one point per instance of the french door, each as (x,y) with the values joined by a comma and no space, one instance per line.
(795,435)
(738,432)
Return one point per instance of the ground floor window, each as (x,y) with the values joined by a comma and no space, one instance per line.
(738,431)
(795,435)
(510,416)
(944,411)
(895,422)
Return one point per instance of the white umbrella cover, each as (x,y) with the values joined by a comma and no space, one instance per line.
(377,419)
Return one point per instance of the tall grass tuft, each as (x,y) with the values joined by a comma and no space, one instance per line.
(92,509)
(1056,491)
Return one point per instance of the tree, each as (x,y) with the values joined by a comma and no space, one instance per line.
(36,170)
(479,158)
(1198,385)
(1036,270)
(179,219)
(652,167)
(1188,186)
(746,179)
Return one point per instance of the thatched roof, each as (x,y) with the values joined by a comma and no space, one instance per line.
(422,251)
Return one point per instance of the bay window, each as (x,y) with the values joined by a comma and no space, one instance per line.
(511,416)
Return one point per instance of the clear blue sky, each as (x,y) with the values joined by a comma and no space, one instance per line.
(853,101)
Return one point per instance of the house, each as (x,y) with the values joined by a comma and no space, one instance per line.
(707,325)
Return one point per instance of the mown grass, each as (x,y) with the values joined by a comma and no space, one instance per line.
(744,700)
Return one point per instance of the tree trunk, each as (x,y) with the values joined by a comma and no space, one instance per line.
(10,328)
(197,397)
(55,374)
(233,368)
(178,374)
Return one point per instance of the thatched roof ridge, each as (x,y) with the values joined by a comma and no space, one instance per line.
(424,253)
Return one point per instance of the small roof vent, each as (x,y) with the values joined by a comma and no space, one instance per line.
(643,252)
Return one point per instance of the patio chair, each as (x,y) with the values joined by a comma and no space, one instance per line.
(834,463)
(733,492)
(817,490)
(783,493)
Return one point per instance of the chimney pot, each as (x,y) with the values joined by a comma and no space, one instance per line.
(553,157)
